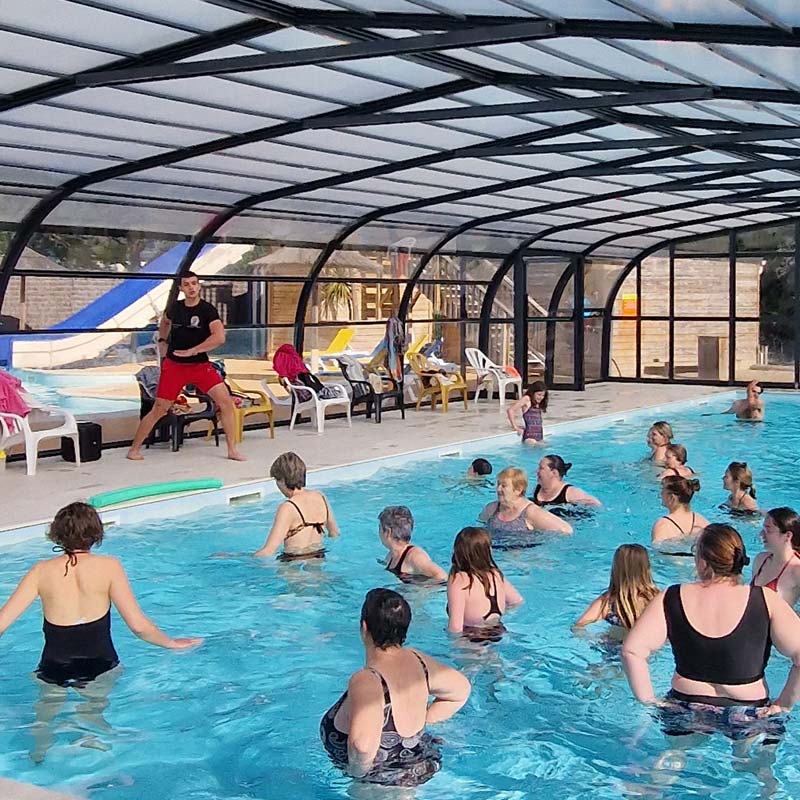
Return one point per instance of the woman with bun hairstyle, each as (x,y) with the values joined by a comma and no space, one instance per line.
(778,567)
(680,522)
(629,591)
(738,480)
(553,490)
(721,632)
(658,437)
(675,462)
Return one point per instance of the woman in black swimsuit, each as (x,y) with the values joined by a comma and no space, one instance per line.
(406,560)
(681,523)
(77,589)
(301,521)
(376,730)
(553,490)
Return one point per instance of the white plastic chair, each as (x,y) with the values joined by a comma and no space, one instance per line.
(316,404)
(490,374)
(16,430)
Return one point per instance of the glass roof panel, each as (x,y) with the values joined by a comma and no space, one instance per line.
(15,80)
(584,9)
(46,56)
(204,16)
(712,11)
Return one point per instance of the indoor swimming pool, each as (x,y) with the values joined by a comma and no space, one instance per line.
(550,715)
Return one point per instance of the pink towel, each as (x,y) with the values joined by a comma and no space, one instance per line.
(11,400)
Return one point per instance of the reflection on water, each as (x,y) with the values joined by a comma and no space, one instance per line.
(550,715)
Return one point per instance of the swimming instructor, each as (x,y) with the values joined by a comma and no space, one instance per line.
(187,333)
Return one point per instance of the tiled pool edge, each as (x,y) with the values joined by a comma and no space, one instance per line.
(189,502)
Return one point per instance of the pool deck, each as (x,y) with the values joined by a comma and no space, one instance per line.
(29,500)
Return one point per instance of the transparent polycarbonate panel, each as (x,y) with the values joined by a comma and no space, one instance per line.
(622,361)
(592,347)
(542,278)
(701,350)
(536,357)
(654,349)
(600,275)
(774,238)
(563,352)
(626,300)
(702,287)
(765,350)
(654,301)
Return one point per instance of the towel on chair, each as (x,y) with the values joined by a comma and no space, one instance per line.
(11,400)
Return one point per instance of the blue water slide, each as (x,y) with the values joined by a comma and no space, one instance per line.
(112,302)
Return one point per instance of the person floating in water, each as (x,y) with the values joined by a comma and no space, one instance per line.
(300,523)
(512,514)
(77,589)
(659,436)
(675,462)
(553,490)
(406,560)
(531,405)
(477,591)
(629,591)
(738,480)
(478,471)
(375,731)
(752,407)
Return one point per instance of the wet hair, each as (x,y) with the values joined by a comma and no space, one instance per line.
(517,476)
(788,521)
(480,466)
(631,586)
(399,520)
(188,275)
(740,472)
(664,428)
(683,488)
(76,527)
(472,554)
(386,615)
(677,450)
(538,386)
(289,468)
(721,547)
(557,463)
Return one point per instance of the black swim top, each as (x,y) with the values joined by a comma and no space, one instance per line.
(397,569)
(733,660)
(683,532)
(559,500)
(73,655)
(494,607)
(319,527)
(400,761)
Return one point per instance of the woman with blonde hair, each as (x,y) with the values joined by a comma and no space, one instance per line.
(629,591)
(738,480)
(778,567)
(681,522)
(513,514)
(658,437)
(477,591)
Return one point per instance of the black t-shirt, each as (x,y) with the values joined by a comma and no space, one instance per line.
(190,326)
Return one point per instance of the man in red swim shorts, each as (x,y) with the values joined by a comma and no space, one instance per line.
(189,331)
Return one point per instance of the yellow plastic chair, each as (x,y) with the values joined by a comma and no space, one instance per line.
(259,404)
(417,345)
(338,344)
(434,384)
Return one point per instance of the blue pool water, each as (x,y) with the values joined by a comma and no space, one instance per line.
(550,715)
(49,388)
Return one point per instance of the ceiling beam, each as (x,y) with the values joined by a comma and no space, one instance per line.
(533,107)
(407,45)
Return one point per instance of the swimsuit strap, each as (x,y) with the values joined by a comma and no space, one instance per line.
(398,567)
(669,519)
(318,526)
(72,556)
(297,508)
(424,669)
(387,700)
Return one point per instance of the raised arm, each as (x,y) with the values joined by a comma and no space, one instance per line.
(122,597)
(578,496)
(456,602)
(366,722)
(280,527)
(449,688)
(647,635)
(542,520)
(594,613)
(26,592)
(785,633)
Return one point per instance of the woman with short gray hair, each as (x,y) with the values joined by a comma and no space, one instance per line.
(407,561)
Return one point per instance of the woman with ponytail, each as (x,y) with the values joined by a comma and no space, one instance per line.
(681,522)
(721,632)
(778,567)
(738,480)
